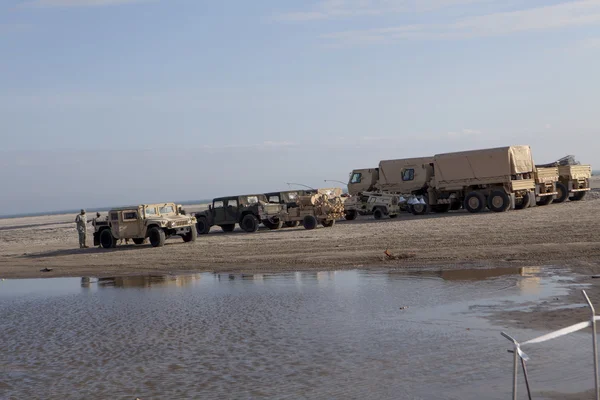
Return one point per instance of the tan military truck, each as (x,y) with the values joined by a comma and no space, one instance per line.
(499,179)
(362,180)
(573,179)
(310,209)
(156,222)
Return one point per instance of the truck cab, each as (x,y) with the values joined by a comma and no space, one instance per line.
(362,180)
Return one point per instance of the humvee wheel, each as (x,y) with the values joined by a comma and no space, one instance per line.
(378,214)
(525,202)
(499,201)
(310,222)
(544,201)
(577,196)
(157,237)
(350,215)
(190,236)
(328,224)
(474,202)
(249,223)
(563,193)
(228,227)
(393,215)
(107,240)
(138,241)
(292,224)
(272,225)
(202,226)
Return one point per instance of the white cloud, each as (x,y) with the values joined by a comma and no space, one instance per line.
(563,15)
(330,9)
(79,3)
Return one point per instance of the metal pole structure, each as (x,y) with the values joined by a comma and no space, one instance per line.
(515,363)
(333,180)
(299,184)
(526,378)
(595,346)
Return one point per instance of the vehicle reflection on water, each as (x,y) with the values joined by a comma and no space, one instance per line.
(391,334)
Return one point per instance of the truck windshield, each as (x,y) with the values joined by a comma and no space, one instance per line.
(356,177)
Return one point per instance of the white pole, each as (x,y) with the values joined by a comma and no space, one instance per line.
(595,344)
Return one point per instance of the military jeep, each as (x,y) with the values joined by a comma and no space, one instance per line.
(290,200)
(248,211)
(156,222)
(384,204)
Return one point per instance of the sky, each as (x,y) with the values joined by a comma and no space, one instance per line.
(111,102)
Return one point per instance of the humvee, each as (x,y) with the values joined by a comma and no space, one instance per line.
(322,206)
(383,204)
(156,222)
(248,211)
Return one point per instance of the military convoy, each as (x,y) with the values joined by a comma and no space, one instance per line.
(155,222)
(498,179)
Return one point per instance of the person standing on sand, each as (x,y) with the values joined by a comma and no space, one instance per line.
(81,221)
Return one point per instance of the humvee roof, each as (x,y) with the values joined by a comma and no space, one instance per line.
(136,206)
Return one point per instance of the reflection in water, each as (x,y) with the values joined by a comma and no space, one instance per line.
(146,281)
(295,335)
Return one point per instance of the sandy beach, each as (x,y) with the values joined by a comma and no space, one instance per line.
(558,234)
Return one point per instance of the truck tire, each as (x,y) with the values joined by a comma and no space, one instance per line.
(350,215)
(190,236)
(393,215)
(328,223)
(378,213)
(202,226)
(249,223)
(139,241)
(292,224)
(441,208)
(228,227)
(272,225)
(499,201)
(525,201)
(563,193)
(578,196)
(544,201)
(420,209)
(474,202)
(310,222)
(157,237)
(107,240)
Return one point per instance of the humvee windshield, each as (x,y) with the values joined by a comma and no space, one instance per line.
(250,200)
(167,210)
(150,211)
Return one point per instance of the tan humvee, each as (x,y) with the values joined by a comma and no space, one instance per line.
(323,207)
(155,222)
(384,204)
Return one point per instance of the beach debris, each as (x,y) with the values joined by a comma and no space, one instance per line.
(46,269)
(595,276)
(404,308)
(390,256)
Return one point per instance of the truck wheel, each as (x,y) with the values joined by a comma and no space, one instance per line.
(577,196)
(107,240)
(563,193)
(544,201)
(202,226)
(249,223)
(499,201)
(524,203)
(393,215)
(190,236)
(441,208)
(350,215)
(139,241)
(328,223)
(157,237)
(228,227)
(474,202)
(455,205)
(378,214)
(272,225)
(310,222)
(292,224)
(420,209)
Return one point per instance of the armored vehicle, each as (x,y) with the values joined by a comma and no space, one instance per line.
(384,204)
(248,211)
(156,222)
(309,208)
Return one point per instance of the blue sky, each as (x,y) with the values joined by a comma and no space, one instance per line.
(113,101)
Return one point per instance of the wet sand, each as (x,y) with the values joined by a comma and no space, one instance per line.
(558,234)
